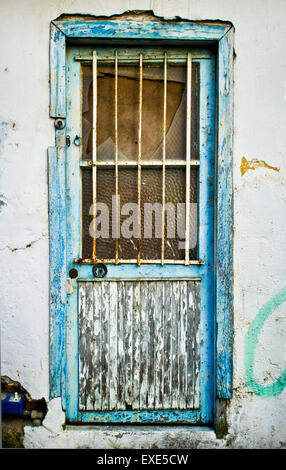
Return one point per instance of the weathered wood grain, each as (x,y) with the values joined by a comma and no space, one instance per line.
(139,345)
(57,72)
(57,227)
(224,235)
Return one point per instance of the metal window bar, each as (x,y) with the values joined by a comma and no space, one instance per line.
(134,261)
(187,163)
(139,155)
(164,159)
(134,163)
(94,122)
(127,59)
(116,158)
(188,157)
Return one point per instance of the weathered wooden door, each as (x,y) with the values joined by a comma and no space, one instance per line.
(140,166)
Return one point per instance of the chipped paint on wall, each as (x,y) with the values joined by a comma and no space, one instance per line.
(5,128)
(253,164)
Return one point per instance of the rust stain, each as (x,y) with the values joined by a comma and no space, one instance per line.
(253,164)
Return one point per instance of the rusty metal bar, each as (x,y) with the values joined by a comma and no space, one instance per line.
(127,59)
(94,76)
(116,155)
(164,160)
(134,261)
(188,157)
(147,163)
(140,154)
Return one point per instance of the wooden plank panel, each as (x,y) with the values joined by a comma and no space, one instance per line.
(90,366)
(87,343)
(57,72)
(136,328)
(57,227)
(159,345)
(147,29)
(167,376)
(97,339)
(152,300)
(105,308)
(139,345)
(196,344)
(143,344)
(175,337)
(190,353)
(128,342)
(113,347)
(120,346)
(83,351)
(224,226)
(182,385)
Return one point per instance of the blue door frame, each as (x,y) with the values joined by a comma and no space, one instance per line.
(64,223)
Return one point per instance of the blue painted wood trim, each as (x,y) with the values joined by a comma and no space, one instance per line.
(144,417)
(57,72)
(142,30)
(224,231)
(57,226)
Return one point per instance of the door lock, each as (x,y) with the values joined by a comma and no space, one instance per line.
(99,270)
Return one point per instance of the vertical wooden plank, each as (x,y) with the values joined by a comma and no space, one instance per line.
(120,347)
(97,345)
(144,350)
(190,341)
(83,347)
(105,349)
(128,341)
(57,228)
(224,230)
(183,346)
(88,333)
(151,309)
(175,340)
(113,347)
(136,327)
(207,143)
(57,72)
(73,231)
(168,313)
(159,344)
(193,356)
(196,332)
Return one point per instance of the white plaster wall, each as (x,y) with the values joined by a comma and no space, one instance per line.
(259,197)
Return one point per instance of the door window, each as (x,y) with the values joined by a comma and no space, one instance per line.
(140,126)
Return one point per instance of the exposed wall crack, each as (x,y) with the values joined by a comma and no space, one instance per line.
(29,245)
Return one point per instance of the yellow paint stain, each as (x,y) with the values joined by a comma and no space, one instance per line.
(253,164)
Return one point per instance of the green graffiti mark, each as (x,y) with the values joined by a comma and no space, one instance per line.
(251,341)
